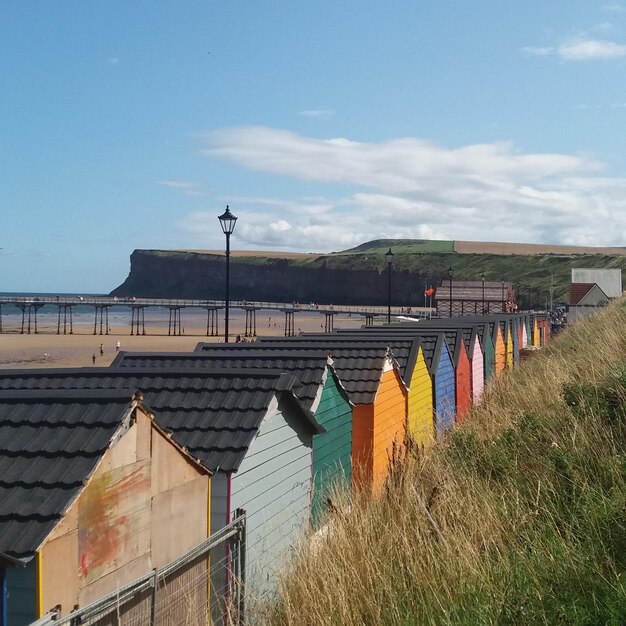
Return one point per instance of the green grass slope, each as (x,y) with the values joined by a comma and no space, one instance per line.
(518,518)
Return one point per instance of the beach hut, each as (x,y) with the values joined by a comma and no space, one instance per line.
(93,494)
(371,377)
(245,425)
(473,347)
(317,387)
(409,355)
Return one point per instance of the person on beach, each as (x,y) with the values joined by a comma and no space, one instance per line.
(118,345)
(93,358)
(101,350)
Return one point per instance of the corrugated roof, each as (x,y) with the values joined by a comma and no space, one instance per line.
(214,414)
(50,443)
(307,367)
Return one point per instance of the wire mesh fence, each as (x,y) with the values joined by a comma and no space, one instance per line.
(204,586)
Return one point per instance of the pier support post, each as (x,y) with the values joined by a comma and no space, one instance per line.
(250,323)
(369,320)
(329,323)
(212,322)
(289,324)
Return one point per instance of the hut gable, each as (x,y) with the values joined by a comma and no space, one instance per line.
(50,444)
(317,386)
(90,479)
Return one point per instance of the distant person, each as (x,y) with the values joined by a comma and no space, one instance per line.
(93,358)
(118,345)
(101,350)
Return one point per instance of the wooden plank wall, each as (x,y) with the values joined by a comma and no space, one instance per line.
(445,402)
(332,450)
(420,403)
(478,372)
(273,485)
(463,383)
(389,425)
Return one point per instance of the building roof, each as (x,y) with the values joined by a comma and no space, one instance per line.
(358,366)
(214,414)
(308,367)
(472,290)
(50,444)
(577,291)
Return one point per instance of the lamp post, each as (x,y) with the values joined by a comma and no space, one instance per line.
(450,274)
(227,222)
(389,257)
(482,278)
(503,301)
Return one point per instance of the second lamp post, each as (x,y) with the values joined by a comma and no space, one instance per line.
(389,257)
(227,222)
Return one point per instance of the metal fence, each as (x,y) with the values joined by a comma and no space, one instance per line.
(204,586)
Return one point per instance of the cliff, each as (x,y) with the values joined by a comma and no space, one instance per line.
(159,274)
(354,277)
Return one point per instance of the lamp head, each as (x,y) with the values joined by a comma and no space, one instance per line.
(389,256)
(450,272)
(227,221)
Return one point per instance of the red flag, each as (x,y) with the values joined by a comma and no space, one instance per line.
(429,292)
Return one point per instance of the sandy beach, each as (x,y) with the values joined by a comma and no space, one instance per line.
(47,349)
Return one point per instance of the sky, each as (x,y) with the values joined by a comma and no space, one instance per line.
(321,123)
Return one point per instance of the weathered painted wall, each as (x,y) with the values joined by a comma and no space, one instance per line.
(499,352)
(273,486)
(444,393)
(463,384)
(144,506)
(478,372)
(420,403)
(332,450)
(390,423)
(488,356)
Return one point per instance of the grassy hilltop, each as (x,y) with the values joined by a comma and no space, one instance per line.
(518,518)
(428,260)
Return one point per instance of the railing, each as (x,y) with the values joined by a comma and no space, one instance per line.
(99,301)
(205,586)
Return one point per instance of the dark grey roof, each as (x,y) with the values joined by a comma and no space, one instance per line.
(308,367)
(358,366)
(50,443)
(214,414)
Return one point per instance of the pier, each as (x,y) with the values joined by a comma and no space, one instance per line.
(139,309)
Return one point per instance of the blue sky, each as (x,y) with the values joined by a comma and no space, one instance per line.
(322,123)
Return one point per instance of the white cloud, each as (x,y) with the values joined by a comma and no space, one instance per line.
(187,187)
(320,114)
(589,49)
(113,60)
(535,51)
(412,188)
(580,49)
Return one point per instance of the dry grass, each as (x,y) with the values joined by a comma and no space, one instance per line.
(518,518)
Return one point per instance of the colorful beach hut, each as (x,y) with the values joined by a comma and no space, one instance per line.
(87,480)
(371,377)
(246,426)
(317,387)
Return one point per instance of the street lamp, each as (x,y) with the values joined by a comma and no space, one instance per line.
(450,274)
(389,257)
(482,278)
(227,222)
(503,301)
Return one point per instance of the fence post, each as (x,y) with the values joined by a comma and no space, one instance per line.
(153,603)
(242,567)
